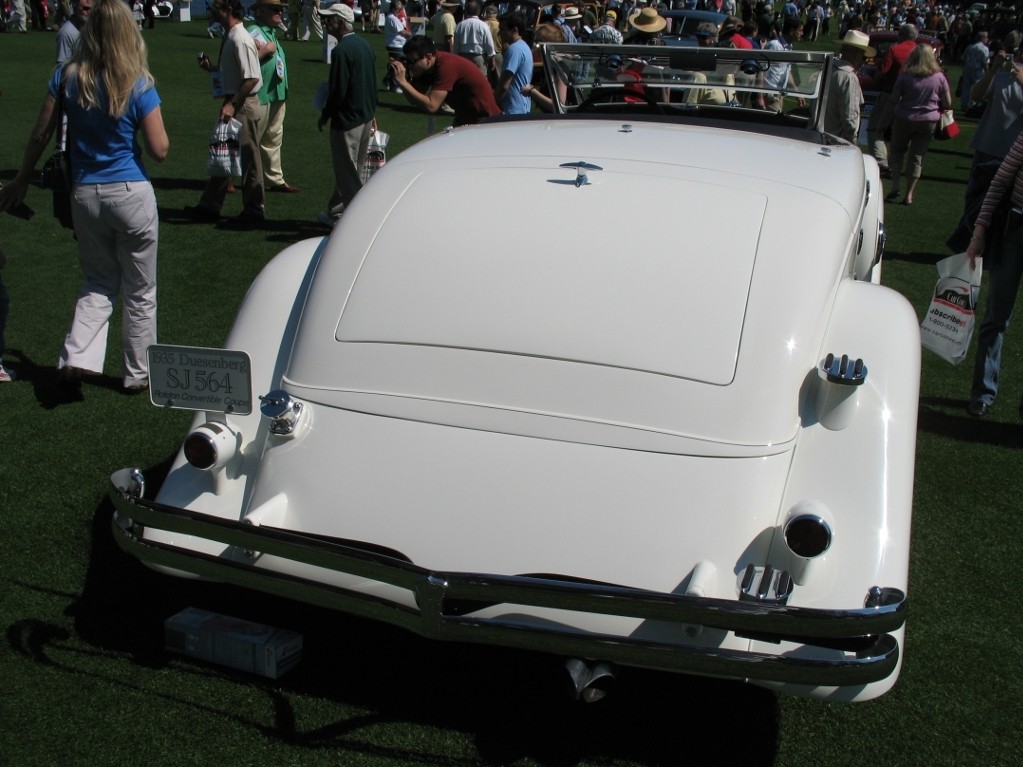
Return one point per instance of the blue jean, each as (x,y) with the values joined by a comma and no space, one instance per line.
(1003,285)
(982,171)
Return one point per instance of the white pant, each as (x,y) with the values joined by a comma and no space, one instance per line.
(118,229)
(18,16)
(311,21)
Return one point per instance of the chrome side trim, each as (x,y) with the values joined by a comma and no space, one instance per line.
(446,602)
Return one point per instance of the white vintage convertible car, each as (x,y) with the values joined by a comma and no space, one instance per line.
(618,383)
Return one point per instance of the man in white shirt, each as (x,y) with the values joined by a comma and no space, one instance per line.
(779,76)
(474,41)
(975,63)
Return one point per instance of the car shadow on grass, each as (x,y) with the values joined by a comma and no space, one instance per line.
(409,699)
(947,416)
(914,257)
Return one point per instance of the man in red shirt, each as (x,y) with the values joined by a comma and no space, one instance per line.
(730,35)
(888,72)
(440,77)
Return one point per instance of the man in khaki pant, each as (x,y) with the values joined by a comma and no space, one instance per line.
(241,81)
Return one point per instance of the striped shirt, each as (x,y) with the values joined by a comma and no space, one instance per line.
(1007,179)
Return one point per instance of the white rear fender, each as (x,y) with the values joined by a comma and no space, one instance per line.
(835,462)
(264,328)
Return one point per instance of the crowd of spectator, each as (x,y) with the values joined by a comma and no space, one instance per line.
(462,58)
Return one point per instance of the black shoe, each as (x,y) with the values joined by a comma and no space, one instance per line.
(978,409)
(201,213)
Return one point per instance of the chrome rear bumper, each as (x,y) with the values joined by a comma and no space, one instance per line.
(861,650)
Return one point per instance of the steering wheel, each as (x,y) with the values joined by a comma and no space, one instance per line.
(589,104)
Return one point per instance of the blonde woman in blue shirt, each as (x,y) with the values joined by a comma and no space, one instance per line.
(109,97)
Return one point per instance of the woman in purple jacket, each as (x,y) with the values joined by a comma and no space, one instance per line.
(918,98)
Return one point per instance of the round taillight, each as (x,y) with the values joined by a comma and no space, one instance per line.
(200,450)
(210,446)
(808,536)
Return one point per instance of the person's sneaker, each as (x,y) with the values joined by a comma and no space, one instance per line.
(5,375)
(445,109)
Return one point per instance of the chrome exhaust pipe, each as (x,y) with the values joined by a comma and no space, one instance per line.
(589,680)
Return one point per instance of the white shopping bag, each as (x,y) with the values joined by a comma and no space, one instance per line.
(225,157)
(948,325)
(376,154)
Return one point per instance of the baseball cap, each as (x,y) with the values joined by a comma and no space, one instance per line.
(340,9)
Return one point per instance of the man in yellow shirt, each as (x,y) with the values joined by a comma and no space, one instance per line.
(443,25)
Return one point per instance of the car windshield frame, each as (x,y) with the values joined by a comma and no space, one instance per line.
(623,79)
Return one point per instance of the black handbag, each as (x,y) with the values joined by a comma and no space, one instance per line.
(57,170)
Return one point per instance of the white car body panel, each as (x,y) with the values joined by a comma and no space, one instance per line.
(637,404)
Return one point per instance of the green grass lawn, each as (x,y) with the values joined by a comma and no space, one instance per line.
(85,680)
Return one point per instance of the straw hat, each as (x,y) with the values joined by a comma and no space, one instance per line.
(856,39)
(648,20)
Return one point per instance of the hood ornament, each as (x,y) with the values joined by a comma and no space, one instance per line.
(580,171)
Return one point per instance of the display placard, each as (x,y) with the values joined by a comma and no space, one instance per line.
(195,378)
